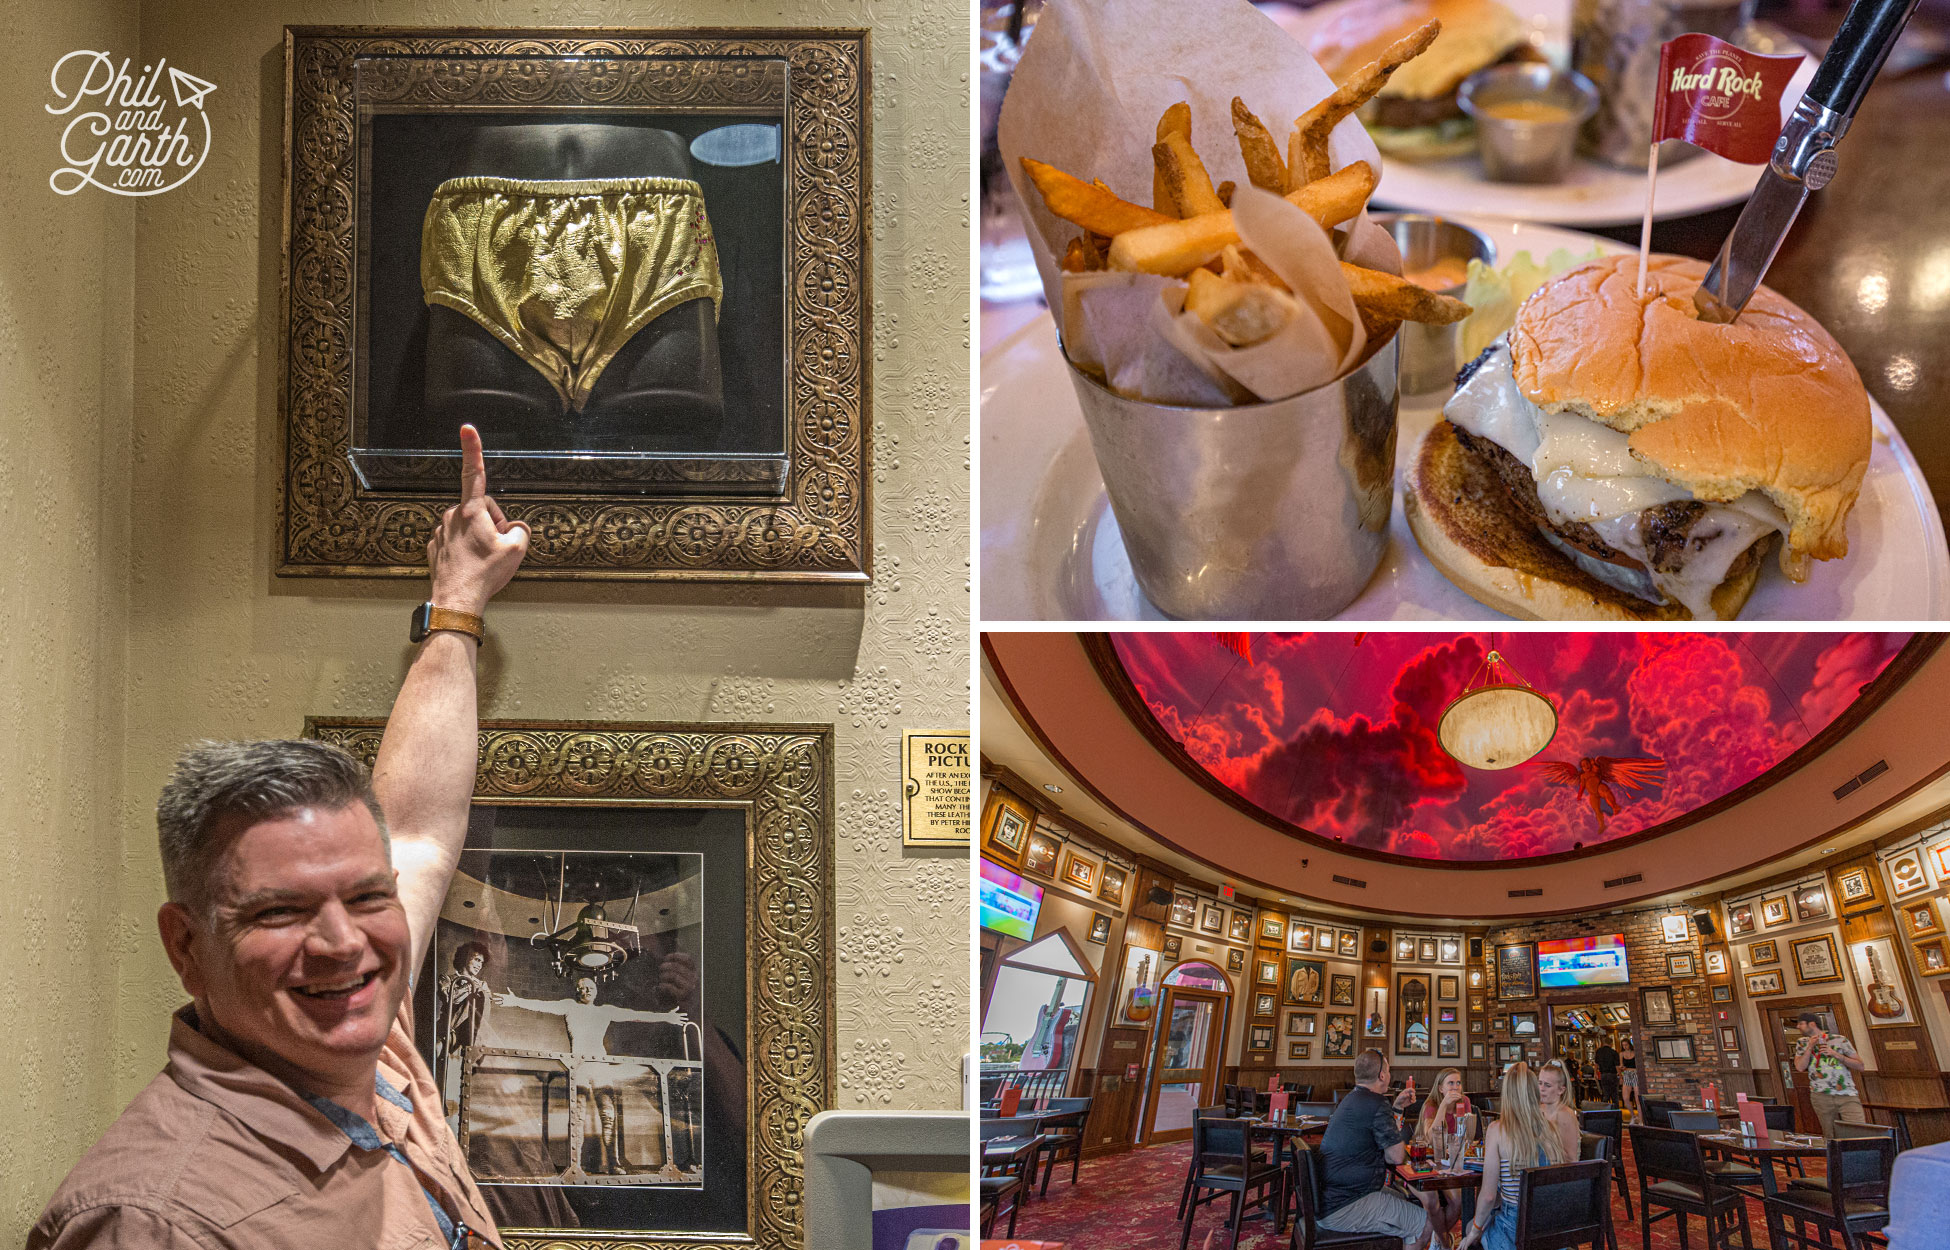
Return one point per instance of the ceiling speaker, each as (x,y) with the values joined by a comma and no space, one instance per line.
(1476,948)
(1703,921)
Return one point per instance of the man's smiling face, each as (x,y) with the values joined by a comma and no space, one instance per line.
(304,958)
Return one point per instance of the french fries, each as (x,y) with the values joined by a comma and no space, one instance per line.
(1190,233)
(1307,159)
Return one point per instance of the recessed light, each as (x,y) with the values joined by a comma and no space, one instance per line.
(1052,789)
(1827,850)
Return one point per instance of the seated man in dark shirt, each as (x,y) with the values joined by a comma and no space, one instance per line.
(1362,1139)
(1606,1060)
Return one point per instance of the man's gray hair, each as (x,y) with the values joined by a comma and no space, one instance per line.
(1368,1065)
(218,789)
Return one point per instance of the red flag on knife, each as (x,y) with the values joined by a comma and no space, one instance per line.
(1720,97)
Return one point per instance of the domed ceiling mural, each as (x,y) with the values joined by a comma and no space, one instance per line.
(1335,733)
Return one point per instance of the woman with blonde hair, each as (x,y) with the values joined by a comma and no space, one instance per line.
(1442,1116)
(1557,1096)
(1522,1139)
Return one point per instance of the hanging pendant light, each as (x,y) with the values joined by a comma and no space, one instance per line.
(1498,721)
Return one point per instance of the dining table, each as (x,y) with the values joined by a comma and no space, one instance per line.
(1764,1153)
(1900,1111)
(1442,1179)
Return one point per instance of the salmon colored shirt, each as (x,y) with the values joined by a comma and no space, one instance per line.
(216,1154)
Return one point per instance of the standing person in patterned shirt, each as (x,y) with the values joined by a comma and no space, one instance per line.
(1831,1064)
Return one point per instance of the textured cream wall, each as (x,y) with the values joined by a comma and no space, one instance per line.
(64,435)
(175,514)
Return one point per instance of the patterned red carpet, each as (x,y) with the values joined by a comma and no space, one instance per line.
(1130,1202)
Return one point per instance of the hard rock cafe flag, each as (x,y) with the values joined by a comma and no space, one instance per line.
(1718,97)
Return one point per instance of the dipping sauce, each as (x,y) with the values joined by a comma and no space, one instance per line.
(1528,111)
(1442,275)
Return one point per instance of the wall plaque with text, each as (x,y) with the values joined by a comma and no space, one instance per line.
(935,789)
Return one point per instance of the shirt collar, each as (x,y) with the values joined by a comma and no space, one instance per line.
(266,1105)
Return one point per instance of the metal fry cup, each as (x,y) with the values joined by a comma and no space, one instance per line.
(1269,511)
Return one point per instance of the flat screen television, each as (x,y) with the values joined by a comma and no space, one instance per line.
(1009,904)
(1567,962)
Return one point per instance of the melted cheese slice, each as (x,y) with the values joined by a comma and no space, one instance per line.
(1587,472)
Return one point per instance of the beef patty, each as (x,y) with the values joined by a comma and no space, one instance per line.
(1402,113)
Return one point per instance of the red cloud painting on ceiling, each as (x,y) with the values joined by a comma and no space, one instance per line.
(1335,732)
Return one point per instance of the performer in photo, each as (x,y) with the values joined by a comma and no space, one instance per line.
(464,999)
(302,892)
(588,1023)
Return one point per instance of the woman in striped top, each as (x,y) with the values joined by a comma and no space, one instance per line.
(1522,1139)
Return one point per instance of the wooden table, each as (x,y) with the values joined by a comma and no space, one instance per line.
(1469,1180)
(1763,1155)
(1902,1112)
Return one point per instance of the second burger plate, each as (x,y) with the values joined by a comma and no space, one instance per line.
(1051,549)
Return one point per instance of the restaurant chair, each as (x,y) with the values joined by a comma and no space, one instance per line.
(1855,1204)
(1673,1177)
(1064,1133)
(1780,1119)
(1610,1122)
(998,1191)
(1340,1094)
(1488,1102)
(1310,1191)
(1724,1171)
(1693,1120)
(1325,1110)
(1843,1128)
(1301,1093)
(1563,1206)
(1023,1168)
(1232,1099)
(1224,1163)
(1191,1166)
(1657,1112)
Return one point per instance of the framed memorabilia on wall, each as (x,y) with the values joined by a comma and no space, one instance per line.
(1338,1042)
(1240,927)
(1475,978)
(1516,970)
(1425,950)
(1306,981)
(1476,1052)
(1272,929)
(1476,1003)
(1931,958)
(1040,859)
(1100,929)
(1299,936)
(1723,993)
(1450,950)
(1811,901)
(1676,928)
(1448,987)
(1404,948)
(1680,964)
(1266,971)
(1509,1052)
(1184,910)
(1259,1037)
(1815,959)
(1856,887)
(1774,912)
(1740,919)
(1764,984)
(1906,875)
(1716,962)
(1111,879)
(1008,833)
(1324,939)
(628,873)
(1921,918)
(1445,1015)
(1137,984)
(1174,944)
(1265,1004)
(1299,1024)
(1341,990)
(1299,1050)
(1675,1049)
(1348,944)
(1523,1024)
(1655,1006)
(1413,993)
(1375,1023)
(1880,982)
(1940,860)
(676,388)
(1079,870)
(1729,1037)
(1235,961)
(1448,1044)
(1500,1024)
(1476,1028)
(1767,952)
(1211,918)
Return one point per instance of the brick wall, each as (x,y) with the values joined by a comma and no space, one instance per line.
(1646,949)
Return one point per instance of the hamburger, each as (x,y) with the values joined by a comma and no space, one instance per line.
(1614,458)
(1416,117)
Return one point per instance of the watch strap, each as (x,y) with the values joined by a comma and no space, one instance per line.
(456,621)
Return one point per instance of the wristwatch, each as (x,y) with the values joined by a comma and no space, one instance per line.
(427,619)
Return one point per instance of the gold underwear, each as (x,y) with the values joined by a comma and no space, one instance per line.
(564,273)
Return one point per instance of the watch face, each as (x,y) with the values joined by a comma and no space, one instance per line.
(417,632)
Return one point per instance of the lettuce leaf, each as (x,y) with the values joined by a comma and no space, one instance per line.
(1494,294)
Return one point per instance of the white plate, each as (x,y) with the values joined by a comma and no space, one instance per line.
(1594,194)
(1051,549)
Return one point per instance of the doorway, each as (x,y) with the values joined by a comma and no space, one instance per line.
(1579,1030)
(1185,1062)
(1777,1020)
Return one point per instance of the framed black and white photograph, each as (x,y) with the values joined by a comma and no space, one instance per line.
(1324,939)
(590,990)
(1341,990)
(1299,1050)
(1266,971)
(1811,901)
(1413,994)
(1476,1028)
(1516,970)
(1080,870)
(1272,929)
(1815,959)
(1211,918)
(613,252)
(1300,1024)
(1774,912)
(1100,929)
(1764,984)
(1265,1004)
(1761,953)
(1448,1044)
(1856,886)
(1259,1037)
(1921,918)
(1931,958)
(1680,964)
(1723,993)
(1656,1007)
(1007,834)
(1184,910)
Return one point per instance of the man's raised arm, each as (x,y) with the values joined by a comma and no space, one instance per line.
(424,775)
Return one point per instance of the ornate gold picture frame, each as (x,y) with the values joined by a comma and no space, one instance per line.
(774,782)
(791,509)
